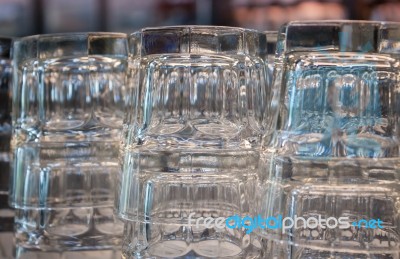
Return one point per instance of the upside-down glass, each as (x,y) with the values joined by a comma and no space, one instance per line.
(192,142)
(337,149)
(69,98)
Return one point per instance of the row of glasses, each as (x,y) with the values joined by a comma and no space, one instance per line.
(336,148)
(197,109)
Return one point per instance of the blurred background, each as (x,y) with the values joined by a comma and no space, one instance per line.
(26,17)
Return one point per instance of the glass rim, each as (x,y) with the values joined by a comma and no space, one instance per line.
(316,35)
(46,46)
(211,28)
(197,39)
(332,22)
(70,35)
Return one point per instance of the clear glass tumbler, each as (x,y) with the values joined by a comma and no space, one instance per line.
(69,99)
(337,148)
(191,144)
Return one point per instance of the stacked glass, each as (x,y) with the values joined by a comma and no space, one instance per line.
(192,141)
(337,145)
(69,99)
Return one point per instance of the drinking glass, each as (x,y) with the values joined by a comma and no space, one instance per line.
(337,150)
(69,99)
(191,144)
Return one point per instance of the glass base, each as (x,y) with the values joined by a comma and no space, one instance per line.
(182,241)
(76,229)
